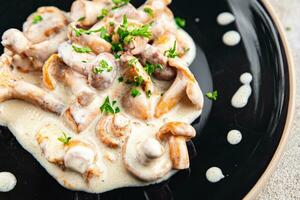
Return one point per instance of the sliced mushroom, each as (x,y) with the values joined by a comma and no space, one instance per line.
(23,63)
(81,157)
(184,84)
(11,88)
(104,78)
(137,45)
(80,62)
(113,129)
(145,157)
(52,22)
(52,148)
(139,106)
(177,134)
(15,41)
(87,11)
(92,40)
(5,61)
(54,69)
(80,117)
(153,55)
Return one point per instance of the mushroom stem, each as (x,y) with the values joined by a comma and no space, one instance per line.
(178,152)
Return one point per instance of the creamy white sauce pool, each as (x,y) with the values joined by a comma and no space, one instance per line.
(241,97)
(225,18)
(24,120)
(234,137)
(214,174)
(231,38)
(7,181)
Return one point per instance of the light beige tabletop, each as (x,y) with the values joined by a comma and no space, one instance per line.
(284,184)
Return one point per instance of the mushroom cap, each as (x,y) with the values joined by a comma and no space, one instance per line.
(150,171)
(79,157)
(176,129)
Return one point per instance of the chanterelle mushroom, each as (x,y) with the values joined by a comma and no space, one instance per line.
(177,134)
(113,129)
(145,157)
(184,84)
(11,88)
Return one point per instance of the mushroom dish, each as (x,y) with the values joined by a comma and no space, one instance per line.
(102,96)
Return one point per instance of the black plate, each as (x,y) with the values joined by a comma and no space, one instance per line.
(217,66)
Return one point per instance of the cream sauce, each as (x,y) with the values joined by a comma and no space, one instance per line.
(225,18)
(214,174)
(231,38)
(234,137)
(30,119)
(7,181)
(240,98)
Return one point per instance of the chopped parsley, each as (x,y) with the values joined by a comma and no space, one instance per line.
(149,11)
(212,95)
(138,81)
(104,13)
(135,92)
(150,68)
(81,19)
(84,61)
(37,19)
(104,35)
(149,93)
(132,62)
(103,66)
(109,108)
(119,3)
(81,49)
(116,47)
(172,53)
(180,22)
(288,28)
(121,79)
(80,31)
(64,138)
(143,31)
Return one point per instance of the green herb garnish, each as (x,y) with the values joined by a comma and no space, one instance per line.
(171,53)
(116,47)
(121,79)
(64,138)
(132,62)
(180,22)
(149,11)
(103,66)
(150,68)
(109,108)
(212,95)
(135,92)
(81,49)
(149,93)
(104,13)
(119,3)
(138,81)
(81,19)
(104,35)
(37,19)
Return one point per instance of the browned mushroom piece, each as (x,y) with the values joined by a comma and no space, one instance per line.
(87,11)
(11,88)
(177,134)
(145,157)
(15,41)
(112,130)
(184,84)
(139,106)
(52,21)
(92,40)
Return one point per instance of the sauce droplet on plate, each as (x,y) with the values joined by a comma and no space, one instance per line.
(231,38)
(234,137)
(7,181)
(241,97)
(225,18)
(214,174)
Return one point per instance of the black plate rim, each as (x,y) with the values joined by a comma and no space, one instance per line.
(262,181)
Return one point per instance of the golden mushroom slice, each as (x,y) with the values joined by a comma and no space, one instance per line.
(81,157)
(113,129)
(145,157)
(49,69)
(52,149)
(184,84)
(177,134)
